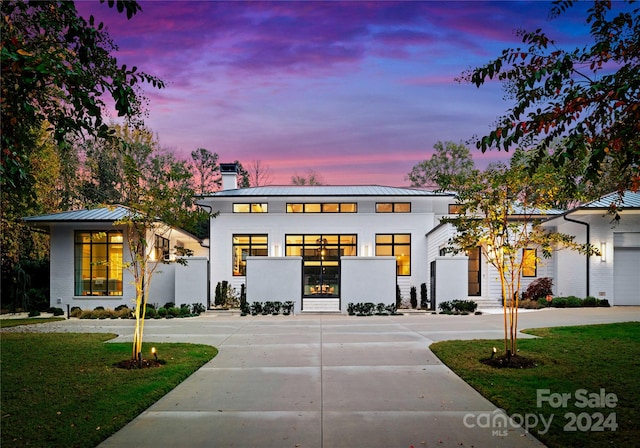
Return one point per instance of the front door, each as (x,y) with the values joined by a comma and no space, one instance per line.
(321,267)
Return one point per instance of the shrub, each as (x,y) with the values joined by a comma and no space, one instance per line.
(398,297)
(162,312)
(56,311)
(150,311)
(538,288)
(424,299)
(121,307)
(590,302)
(34,313)
(445,307)
(603,303)
(123,313)
(574,302)
(169,305)
(173,312)
(531,304)
(76,311)
(464,306)
(199,308)
(413,294)
(98,308)
(559,302)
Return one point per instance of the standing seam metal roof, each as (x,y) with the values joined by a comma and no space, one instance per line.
(630,199)
(325,190)
(104,214)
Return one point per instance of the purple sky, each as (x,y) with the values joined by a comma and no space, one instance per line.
(357,91)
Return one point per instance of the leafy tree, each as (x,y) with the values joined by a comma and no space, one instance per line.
(450,159)
(157,188)
(205,164)
(587,98)
(244,179)
(56,67)
(501,210)
(311,178)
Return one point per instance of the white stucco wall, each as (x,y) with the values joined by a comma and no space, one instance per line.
(451,279)
(368,279)
(366,223)
(191,281)
(274,279)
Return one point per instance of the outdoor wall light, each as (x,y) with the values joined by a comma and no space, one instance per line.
(154,353)
(603,251)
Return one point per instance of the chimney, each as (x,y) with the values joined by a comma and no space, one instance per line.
(229,172)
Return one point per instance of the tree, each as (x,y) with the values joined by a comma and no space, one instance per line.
(311,178)
(56,68)
(259,174)
(450,159)
(587,98)
(160,197)
(244,180)
(207,170)
(500,211)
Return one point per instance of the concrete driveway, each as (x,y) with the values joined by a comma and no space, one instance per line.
(327,381)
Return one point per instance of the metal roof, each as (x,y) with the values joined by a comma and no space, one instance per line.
(630,199)
(103,214)
(325,190)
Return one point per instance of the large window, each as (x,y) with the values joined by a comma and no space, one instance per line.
(530,263)
(245,246)
(328,207)
(162,250)
(397,245)
(98,263)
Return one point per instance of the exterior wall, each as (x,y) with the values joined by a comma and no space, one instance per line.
(191,281)
(274,279)
(368,279)
(449,285)
(163,284)
(62,271)
(571,278)
(366,223)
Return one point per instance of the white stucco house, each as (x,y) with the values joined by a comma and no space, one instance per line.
(87,253)
(323,247)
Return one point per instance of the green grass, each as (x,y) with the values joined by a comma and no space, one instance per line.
(63,389)
(570,358)
(6,323)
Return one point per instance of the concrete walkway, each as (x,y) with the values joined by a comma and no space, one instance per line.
(327,381)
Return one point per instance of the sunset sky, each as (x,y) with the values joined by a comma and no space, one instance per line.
(357,91)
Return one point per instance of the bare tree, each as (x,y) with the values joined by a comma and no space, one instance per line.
(311,178)
(259,174)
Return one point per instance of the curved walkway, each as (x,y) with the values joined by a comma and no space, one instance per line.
(326,381)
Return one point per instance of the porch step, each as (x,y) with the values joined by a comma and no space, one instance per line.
(321,305)
(487,303)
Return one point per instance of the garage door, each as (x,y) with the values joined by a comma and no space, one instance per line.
(626,268)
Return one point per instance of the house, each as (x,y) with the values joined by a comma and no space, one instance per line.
(325,246)
(615,275)
(321,246)
(88,253)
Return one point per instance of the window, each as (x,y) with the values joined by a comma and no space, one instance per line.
(250,208)
(474,271)
(399,246)
(393,207)
(529,263)
(454,209)
(245,246)
(98,263)
(329,207)
(161,248)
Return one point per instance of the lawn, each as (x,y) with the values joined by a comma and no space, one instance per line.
(6,323)
(63,389)
(596,367)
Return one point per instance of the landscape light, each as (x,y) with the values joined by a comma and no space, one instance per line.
(154,353)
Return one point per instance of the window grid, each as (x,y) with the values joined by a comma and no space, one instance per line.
(322,207)
(529,263)
(98,263)
(253,207)
(399,246)
(393,207)
(245,245)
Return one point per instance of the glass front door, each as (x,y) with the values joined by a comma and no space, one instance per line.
(321,261)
